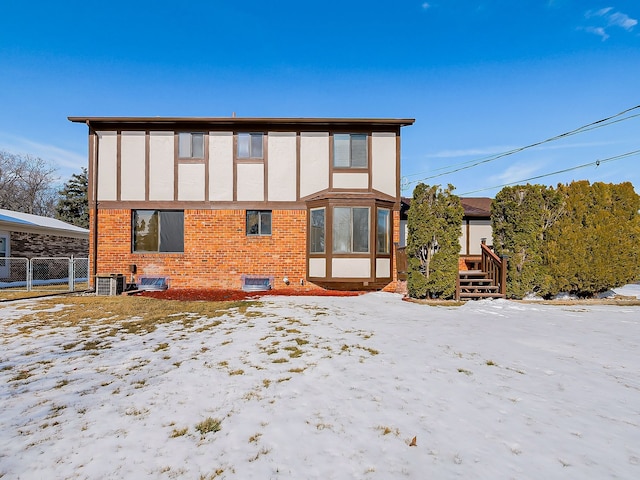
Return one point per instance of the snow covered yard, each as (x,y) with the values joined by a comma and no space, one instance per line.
(321,387)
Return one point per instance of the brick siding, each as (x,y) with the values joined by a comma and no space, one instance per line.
(31,245)
(217,251)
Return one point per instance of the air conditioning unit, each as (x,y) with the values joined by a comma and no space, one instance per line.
(113,284)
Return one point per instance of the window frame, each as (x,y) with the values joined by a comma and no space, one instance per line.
(323,233)
(337,137)
(250,155)
(190,144)
(260,214)
(352,230)
(387,231)
(166,214)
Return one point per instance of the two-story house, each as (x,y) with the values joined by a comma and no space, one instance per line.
(213,202)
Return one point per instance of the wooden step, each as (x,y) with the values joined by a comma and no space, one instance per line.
(479,288)
(480,296)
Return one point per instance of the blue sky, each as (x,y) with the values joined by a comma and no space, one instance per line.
(480,77)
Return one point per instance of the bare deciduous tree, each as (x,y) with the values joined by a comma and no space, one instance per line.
(27,184)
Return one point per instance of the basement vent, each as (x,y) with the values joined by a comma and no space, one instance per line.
(256,283)
(110,284)
(154,284)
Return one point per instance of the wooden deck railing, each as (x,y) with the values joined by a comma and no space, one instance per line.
(495,267)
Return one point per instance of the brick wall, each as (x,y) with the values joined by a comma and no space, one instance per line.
(31,245)
(217,251)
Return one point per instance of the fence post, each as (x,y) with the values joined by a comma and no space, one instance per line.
(29,274)
(71,274)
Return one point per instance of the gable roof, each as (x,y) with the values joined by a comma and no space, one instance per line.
(26,222)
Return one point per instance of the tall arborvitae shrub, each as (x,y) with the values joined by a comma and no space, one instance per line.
(595,246)
(434,223)
(520,217)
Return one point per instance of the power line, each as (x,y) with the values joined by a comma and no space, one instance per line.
(476,162)
(597,163)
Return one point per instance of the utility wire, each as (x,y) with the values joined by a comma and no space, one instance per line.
(585,128)
(597,163)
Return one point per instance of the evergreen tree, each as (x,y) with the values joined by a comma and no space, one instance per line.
(595,246)
(73,206)
(520,217)
(434,222)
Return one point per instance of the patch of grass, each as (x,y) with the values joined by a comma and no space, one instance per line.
(21,375)
(179,432)
(223,363)
(465,371)
(491,363)
(161,346)
(372,351)
(216,474)
(209,425)
(387,430)
(297,370)
(271,351)
(293,330)
(280,360)
(62,383)
(301,341)
(294,352)
(266,382)
(130,314)
(254,438)
(236,372)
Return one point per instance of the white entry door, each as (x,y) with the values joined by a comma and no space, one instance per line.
(4,253)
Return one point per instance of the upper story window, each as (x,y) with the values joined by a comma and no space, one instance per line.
(350,230)
(158,231)
(250,145)
(258,222)
(350,150)
(190,145)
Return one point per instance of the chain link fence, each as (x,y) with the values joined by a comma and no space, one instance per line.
(43,274)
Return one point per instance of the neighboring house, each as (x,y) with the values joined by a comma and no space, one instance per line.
(23,235)
(224,202)
(476,228)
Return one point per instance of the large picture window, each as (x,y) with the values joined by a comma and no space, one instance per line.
(350,150)
(383,237)
(258,222)
(191,145)
(158,231)
(250,145)
(350,230)
(317,231)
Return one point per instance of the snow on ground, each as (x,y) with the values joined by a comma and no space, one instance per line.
(330,388)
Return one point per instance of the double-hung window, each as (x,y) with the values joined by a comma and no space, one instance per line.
(350,150)
(250,145)
(258,222)
(190,145)
(383,237)
(317,231)
(350,230)
(158,231)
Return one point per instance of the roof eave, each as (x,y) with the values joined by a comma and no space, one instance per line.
(244,120)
